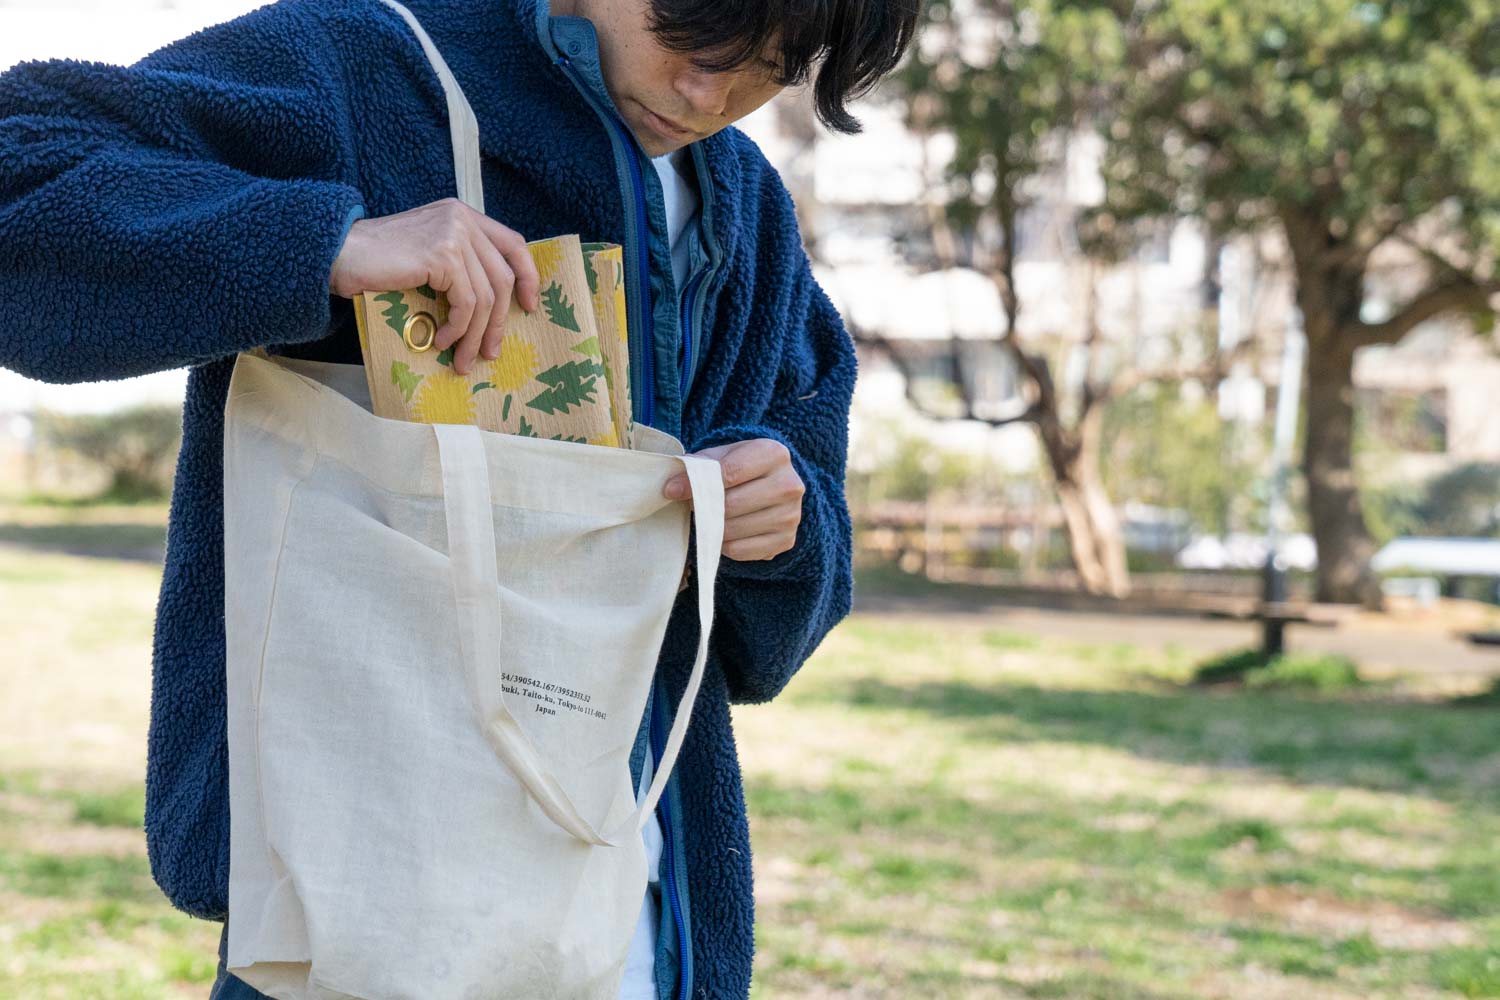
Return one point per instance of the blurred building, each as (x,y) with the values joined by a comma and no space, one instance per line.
(863,201)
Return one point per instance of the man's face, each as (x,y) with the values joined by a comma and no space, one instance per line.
(667,101)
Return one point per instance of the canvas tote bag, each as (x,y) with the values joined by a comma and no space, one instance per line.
(440,643)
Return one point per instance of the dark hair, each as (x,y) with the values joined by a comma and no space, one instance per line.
(855,42)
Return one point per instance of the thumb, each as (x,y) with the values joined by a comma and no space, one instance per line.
(678,488)
(718,451)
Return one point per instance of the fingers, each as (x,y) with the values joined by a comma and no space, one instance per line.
(467,347)
(454,280)
(500,280)
(782,490)
(512,248)
(747,461)
(779,520)
(758,547)
(762,463)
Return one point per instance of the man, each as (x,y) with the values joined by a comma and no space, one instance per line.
(237,187)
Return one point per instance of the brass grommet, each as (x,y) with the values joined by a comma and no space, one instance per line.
(419,331)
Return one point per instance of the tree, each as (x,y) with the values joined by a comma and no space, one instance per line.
(1009,82)
(1351,126)
(137,446)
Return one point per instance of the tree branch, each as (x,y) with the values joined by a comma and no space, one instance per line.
(880,343)
(1216,367)
(1454,292)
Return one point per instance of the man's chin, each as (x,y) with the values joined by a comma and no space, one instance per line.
(656,146)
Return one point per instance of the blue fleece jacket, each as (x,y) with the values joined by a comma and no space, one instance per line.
(178,211)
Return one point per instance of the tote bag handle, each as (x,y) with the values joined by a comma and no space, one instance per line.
(476,584)
(462,126)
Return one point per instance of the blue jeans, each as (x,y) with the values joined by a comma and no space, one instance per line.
(227,987)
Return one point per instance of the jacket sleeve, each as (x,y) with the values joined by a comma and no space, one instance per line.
(770,615)
(178,210)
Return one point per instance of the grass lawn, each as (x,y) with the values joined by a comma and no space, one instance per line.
(940,809)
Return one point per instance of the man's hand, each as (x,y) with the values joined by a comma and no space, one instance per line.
(762,497)
(448,245)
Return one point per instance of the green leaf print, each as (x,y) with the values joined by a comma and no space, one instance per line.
(559,309)
(427,290)
(588,269)
(572,384)
(505,407)
(446,358)
(589,347)
(526,430)
(395,310)
(575,440)
(481,385)
(404,378)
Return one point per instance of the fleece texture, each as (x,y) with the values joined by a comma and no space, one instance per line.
(178,211)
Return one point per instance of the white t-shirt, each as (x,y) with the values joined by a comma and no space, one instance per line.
(640,967)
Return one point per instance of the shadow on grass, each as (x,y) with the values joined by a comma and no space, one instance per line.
(139,542)
(916,839)
(1433,750)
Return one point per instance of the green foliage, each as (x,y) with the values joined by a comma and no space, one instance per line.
(137,446)
(1314,672)
(571,384)
(404,378)
(1362,114)
(589,347)
(428,291)
(559,309)
(480,385)
(445,357)
(1229,667)
(1308,672)
(1363,111)
(1177,453)
(526,430)
(1463,502)
(914,467)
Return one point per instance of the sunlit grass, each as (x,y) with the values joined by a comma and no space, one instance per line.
(940,809)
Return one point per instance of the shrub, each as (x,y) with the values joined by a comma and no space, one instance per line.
(136,446)
(1323,673)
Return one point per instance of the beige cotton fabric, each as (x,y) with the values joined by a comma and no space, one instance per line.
(440,645)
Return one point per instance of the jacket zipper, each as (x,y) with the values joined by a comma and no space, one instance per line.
(635,225)
(668,873)
(687,334)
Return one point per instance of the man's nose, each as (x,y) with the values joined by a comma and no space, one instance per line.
(707,92)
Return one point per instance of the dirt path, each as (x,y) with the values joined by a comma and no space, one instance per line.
(1385,646)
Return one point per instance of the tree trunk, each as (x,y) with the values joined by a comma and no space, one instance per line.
(1095,539)
(1345,546)
(1094,536)
(1330,294)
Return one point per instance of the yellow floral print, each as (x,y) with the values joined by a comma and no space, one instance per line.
(515,365)
(609,439)
(445,399)
(547,255)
